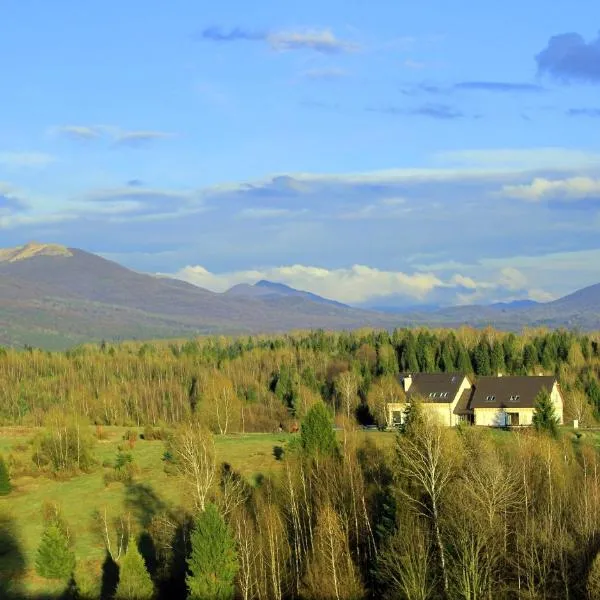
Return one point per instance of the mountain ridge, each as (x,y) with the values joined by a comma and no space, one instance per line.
(54,296)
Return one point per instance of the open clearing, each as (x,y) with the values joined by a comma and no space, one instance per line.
(80,496)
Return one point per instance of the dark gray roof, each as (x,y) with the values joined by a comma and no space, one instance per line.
(509,392)
(443,385)
(463,406)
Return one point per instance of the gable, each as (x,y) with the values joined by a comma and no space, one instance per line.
(436,387)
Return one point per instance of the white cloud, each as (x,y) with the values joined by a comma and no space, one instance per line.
(521,158)
(268,213)
(319,40)
(140,138)
(573,188)
(79,132)
(354,285)
(25,159)
(120,137)
(325,74)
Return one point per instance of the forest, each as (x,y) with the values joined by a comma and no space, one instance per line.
(338,511)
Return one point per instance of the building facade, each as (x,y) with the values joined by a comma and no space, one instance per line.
(501,401)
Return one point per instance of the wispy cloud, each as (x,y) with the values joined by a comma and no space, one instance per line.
(569,58)
(79,132)
(25,159)
(323,41)
(319,40)
(442,112)
(118,136)
(325,74)
(498,86)
(584,112)
(573,188)
(269,213)
(137,139)
(237,34)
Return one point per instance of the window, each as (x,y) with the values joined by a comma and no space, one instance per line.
(514,398)
(490,398)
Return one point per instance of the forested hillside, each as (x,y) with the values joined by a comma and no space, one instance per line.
(264,381)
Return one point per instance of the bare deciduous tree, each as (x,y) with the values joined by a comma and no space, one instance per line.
(193,449)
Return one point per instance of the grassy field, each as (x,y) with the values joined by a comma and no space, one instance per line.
(80,496)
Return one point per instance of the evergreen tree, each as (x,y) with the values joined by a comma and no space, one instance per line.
(134,581)
(481,358)
(413,417)
(497,358)
(5,486)
(317,435)
(463,362)
(544,416)
(213,563)
(530,357)
(55,560)
(410,362)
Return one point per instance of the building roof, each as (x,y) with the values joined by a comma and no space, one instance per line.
(509,392)
(463,406)
(435,387)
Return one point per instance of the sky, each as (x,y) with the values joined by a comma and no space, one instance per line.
(378,153)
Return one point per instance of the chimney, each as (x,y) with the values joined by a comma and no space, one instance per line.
(407,382)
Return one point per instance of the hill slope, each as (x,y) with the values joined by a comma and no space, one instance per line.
(268,289)
(55,296)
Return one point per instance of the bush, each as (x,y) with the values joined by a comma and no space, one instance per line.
(124,469)
(153,433)
(66,446)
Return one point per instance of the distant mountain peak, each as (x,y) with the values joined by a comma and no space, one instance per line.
(32,250)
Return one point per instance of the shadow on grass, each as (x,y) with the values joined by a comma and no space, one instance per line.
(144,502)
(12,560)
(110,578)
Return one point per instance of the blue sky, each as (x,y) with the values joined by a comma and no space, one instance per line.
(403,153)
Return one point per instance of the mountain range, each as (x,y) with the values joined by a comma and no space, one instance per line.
(52,296)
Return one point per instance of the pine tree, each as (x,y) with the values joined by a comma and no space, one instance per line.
(413,417)
(5,486)
(464,361)
(544,416)
(213,563)
(134,581)
(317,436)
(55,560)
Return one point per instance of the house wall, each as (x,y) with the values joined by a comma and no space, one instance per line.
(557,400)
(392,408)
(443,412)
(496,417)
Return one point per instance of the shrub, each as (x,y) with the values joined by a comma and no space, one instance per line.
(153,433)
(124,469)
(65,446)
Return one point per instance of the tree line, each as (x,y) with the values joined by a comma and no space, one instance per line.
(262,383)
